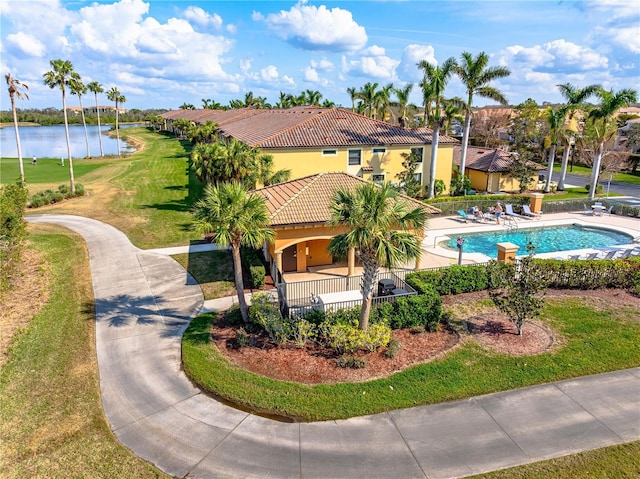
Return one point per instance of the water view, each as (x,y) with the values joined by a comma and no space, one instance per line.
(50,141)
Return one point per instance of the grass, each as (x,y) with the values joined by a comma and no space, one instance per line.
(613,462)
(47,171)
(595,341)
(148,195)
(52,419)
(632,178)
(213,270)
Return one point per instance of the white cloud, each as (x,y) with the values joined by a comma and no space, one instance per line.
(323,64)
(269,73)
(26,44)
(311,74)
(316,28)
(558,55)
(197,16)
(614,9)
(411,56)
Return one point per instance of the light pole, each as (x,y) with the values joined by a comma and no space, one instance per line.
(460,244)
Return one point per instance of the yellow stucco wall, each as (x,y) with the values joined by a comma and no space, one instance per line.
(306,161)
(495,182)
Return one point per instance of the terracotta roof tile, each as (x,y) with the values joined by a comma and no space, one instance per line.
(307,200)
(302,127)
(488,160)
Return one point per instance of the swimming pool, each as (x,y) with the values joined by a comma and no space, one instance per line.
(545,239)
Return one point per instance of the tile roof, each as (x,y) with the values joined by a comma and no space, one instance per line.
(488,160)
(307,200)
(307,126)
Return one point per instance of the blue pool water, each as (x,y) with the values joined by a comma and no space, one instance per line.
(545,240)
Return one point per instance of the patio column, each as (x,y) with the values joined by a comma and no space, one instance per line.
(279,260)
(351,259)
(507,252)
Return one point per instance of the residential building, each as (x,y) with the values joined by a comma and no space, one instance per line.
(310,140)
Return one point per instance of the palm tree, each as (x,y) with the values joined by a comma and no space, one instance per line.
(60,77)
(476,76)
(115,96)
(575,98)
(555,121)
(233,217)
(368,96)
(382,100)
(381,228)
(602,115)
(78,88)
(187,106)
(95,88)
(437,77)
(353,94)
(402,94)
(312,97)
(18,90)
(205,159)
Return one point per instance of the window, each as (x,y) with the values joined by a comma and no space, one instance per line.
(418,152)
(329,152)
(418,177)
(355,157)
(377,179)
(379,151)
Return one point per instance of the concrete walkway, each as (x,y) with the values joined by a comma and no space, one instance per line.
(144,301)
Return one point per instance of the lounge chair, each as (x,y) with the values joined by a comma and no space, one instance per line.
(464,216)
(609,210)
(626,253)
(610,254)
(527,211)
(592,256)
(508,208)
(574,257)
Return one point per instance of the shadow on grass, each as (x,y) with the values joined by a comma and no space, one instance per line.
(210,266)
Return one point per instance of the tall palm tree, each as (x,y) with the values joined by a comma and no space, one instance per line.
(353,94)
(312,97)
(381,102)
(575,99)
(476,76)
(18,90)
(95,88)
(402,95)
(60,77)
(602,115)
(115,96)
(78,88)
(437,78)
(368,96)
(381,228)
(233,217)
(555,122)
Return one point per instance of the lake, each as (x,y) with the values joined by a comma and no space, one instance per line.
(50,141)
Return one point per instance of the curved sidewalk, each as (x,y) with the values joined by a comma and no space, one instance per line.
(144,301)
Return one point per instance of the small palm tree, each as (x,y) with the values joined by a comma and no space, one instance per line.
(233,217)
(437,77)
(78,88)
(18,90)
(381,228)
(402,95)
(476,76)
(368,96)
(115,96)
(353,95)
(95,88)
(60,77)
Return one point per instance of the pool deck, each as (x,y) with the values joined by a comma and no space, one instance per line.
(440,228)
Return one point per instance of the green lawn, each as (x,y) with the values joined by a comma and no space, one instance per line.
(585,171)
(594,341)
(48,170)
(52,423)
(213,270)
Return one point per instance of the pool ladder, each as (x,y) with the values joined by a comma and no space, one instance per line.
(510,224)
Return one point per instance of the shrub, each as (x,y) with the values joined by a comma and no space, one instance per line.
(393,348)
(419,310)
(315,316)
(242,338)
(342,338)
(451,280)
(301,332)
(251,262)
(65,190)
(351,362)
(265,312)
(376,336)
(36,201)
(79,189)
(13,200)
(586,274)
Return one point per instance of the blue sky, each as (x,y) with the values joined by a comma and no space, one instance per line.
(161,54)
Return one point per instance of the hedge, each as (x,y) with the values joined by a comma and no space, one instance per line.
(451,280)
(251,262)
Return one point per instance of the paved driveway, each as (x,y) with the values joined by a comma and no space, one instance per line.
(144,301)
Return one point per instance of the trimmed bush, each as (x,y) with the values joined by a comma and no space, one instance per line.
(253,264)
(348,338)
(592,274)
(393,348)
(420,310)
(351,362)
(451,280)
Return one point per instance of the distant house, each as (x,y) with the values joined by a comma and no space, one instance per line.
(299,211)
(92,109)
(310,140)
(488,169)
